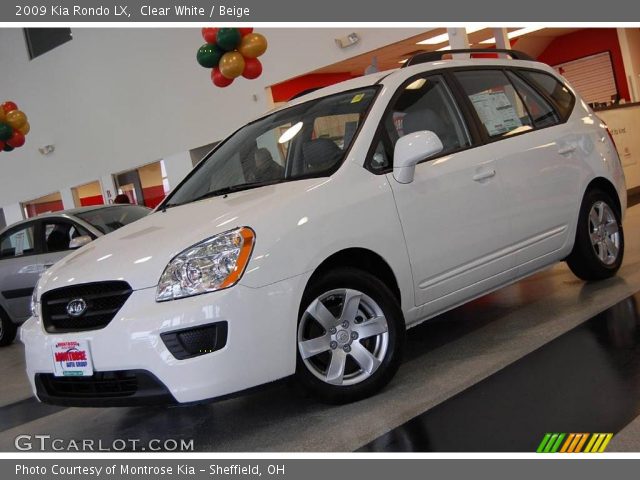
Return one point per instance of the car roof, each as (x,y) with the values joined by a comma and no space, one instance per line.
(67,213)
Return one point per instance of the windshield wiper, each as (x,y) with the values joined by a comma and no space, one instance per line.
(223,191)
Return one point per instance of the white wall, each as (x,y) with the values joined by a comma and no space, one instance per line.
(112,99)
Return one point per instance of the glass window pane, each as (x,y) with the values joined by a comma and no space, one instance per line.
(17,243)
(555,89)
(496,102)
(541,112)
(108,219)
(427,104)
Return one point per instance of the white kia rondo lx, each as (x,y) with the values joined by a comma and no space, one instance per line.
(310,239)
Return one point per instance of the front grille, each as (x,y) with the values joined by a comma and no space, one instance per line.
(103,301)
(192,342)
(102,389)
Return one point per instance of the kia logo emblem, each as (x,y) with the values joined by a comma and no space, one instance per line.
(76,307)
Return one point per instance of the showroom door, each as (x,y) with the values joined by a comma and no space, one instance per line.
(452,213)
(538,166)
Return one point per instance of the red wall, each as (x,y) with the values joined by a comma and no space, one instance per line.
(34,209)
(583,43)
(88,201)
(153,196)
(285,91)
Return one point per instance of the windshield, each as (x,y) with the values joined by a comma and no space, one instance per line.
(106,220)
(302,141)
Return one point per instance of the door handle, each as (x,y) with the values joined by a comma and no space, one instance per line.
(48,265)
(567,150)
(478,177)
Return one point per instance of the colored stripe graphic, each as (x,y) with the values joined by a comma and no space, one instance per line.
(574,443)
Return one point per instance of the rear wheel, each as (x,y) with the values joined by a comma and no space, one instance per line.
(350,336)
(599,246)
(8,329)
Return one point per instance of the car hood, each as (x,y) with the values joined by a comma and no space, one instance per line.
(139,252)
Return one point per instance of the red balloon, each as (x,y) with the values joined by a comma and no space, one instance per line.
(16,140)
(209,35)
(9,107)
(252,68)
(245,31)
(220,80)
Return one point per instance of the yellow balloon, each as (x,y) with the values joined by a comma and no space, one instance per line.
(24,129)
(231,65)
(16,119)
(252,45)
(3,115)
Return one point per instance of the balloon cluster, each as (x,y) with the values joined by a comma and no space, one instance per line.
(231,52)
(13,127)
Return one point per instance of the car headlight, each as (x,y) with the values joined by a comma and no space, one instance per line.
(35,303)
(210,265)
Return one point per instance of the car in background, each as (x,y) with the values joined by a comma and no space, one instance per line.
(29,247)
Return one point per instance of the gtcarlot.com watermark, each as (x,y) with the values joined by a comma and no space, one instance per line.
(47,443)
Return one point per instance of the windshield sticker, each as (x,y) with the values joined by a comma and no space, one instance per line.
(357,98)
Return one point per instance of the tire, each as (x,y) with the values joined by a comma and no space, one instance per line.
(8,329)
(599,245)
(356,350)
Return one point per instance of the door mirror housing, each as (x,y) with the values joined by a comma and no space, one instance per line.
(412,149)
(80,241)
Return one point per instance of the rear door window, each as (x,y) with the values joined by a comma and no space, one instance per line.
(496,101)
(541,112)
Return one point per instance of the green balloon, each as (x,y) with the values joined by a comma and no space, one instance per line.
(209,55)
(228,38)
(5,131)
(8,148)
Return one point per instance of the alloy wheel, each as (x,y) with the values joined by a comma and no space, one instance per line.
(343,337)
(604,233)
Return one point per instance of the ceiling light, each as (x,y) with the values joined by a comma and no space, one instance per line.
(515,34)
(416,84)
(290,133)
(445,37)
(403,61)
(448,47)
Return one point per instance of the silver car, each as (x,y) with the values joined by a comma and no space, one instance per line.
(29,247)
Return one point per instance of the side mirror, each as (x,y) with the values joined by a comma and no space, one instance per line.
(80,241)
(410,150)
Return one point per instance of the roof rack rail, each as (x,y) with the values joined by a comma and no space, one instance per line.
(425,57)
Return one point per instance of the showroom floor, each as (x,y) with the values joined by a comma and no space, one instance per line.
(548,354)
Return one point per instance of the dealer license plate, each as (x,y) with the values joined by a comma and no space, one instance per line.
(72,359)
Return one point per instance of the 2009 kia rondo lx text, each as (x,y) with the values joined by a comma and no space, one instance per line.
(310,239)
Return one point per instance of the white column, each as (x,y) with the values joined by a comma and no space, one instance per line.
(67,198)
(502,39)
(12,213)
(108,188)
(458,39)
(177,167)
(629,41)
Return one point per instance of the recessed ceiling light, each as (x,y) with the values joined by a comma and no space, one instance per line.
(515,34)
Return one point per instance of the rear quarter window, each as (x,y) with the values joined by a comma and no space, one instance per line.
(556,90)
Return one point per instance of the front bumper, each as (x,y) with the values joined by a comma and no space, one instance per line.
(260,344)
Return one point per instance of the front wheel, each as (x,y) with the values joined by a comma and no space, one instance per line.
(350,336)
(599,245)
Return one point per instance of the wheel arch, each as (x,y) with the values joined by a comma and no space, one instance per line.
(601,183)
(363,259)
